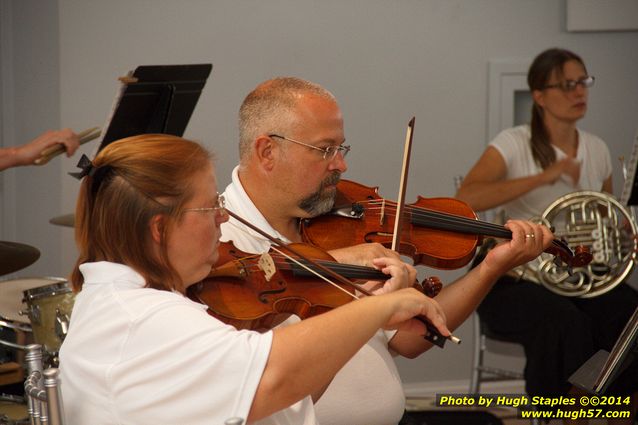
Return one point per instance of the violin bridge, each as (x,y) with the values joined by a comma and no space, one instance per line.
(382,215)
(267,265)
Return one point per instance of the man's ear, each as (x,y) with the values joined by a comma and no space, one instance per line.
(265,149)
(156,225)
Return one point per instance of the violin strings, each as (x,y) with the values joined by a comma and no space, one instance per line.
(344,269)
(482,227)
(450,222)
(435,216)
(320,276)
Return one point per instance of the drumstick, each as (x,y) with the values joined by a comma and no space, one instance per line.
(52,151)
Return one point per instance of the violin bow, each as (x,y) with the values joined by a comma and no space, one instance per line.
(432,335)
(398,219)
(292,251)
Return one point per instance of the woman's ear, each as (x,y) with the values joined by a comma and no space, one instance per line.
(539,99)
(157,228)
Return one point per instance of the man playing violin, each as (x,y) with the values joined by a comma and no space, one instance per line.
(292,154)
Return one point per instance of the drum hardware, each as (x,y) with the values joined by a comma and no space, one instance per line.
(34,314)
(61,324)
(15,256)
(12,398)
(11,345)
(15,326)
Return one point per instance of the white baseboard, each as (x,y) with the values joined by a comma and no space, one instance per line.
(430,389)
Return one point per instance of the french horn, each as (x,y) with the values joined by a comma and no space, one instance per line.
(602,224)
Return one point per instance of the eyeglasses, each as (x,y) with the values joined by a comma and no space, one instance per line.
(329,152)
(570,85)
(220,207)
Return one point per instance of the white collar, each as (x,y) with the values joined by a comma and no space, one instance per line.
(238,201)
(106,272)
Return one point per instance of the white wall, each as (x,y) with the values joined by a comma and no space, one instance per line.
(386,61)
(31,104)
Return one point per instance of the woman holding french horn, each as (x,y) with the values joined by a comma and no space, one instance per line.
(524,169)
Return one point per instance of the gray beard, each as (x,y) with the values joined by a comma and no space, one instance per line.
(321,201)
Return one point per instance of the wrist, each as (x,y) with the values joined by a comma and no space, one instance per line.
(382,306)
(541,179)
(488,274)
(21,156)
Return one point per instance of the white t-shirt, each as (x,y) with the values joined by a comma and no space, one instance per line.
(136,355)
(514,146)
(367,390)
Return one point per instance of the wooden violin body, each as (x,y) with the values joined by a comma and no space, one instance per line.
(252,291)
(361,215)
(436,232)
(244,293)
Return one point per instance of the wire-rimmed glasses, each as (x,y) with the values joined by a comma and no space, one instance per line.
(329,152)
(219,208)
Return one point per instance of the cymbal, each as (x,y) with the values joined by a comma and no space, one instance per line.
(67,220)
(15,256)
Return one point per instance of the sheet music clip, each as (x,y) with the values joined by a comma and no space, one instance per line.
(603,368)
(155,99)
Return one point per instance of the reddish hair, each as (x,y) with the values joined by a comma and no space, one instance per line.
(135,179)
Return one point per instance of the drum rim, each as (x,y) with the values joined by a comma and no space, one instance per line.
(60,287)
(53,278)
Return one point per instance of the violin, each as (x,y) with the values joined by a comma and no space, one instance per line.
(437,232)
(249,291)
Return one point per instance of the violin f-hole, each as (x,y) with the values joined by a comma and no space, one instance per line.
(263,295)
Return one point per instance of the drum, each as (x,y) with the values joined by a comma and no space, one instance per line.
(49,309)
(13,410)
(12,306)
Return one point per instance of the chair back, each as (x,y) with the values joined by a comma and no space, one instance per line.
(41,388)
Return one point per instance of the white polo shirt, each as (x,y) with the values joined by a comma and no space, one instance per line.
(368,389)
(135,355)
(514,146)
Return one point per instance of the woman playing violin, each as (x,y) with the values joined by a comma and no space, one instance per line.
(138,351)
(524,169)
(292,153)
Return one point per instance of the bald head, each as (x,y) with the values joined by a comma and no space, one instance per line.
(271,108)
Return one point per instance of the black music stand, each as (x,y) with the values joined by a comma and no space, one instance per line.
(602,368)
(156,99)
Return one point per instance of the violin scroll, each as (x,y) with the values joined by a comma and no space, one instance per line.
(579,257)
(431,286)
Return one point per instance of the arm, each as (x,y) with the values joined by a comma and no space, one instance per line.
(304,357)
(27,153)
(485,186)
(459,299)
